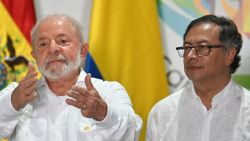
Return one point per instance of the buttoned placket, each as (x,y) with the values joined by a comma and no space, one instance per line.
(208,114)
(58,121)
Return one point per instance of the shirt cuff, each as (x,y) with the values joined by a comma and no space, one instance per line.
(110,119)
(9,111)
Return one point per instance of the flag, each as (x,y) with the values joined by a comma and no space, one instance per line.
(17,19)
(125,45)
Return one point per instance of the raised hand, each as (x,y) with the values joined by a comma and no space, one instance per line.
(88,100)
(25,91)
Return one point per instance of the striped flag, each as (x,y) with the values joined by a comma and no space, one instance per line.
(125,45)
(17,19)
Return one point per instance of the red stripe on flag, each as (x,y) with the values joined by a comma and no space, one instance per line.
(22,12)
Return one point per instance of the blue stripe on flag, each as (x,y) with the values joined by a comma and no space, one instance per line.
(92,68)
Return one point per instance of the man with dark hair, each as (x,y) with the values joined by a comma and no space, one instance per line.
(66,104)
(213,108)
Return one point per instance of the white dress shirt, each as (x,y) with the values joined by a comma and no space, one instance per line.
(49,118)
(183,117)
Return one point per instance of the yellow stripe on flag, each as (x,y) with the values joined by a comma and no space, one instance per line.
(125,45)
(21,47)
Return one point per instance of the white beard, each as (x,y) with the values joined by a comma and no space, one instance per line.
(62,69)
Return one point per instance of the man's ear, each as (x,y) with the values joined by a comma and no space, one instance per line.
(84,50)
(230,55)
(33,53)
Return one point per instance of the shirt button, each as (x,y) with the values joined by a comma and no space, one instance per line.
(87,128)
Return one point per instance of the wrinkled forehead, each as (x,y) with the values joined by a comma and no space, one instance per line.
(55,27)
(204,32)
(205,26)
(56,23)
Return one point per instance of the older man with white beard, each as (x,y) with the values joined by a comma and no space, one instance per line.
(55,107)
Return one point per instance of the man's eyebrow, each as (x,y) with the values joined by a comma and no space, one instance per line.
(199,42)
(202,42)
(61,34)
(187,43)
(41,38)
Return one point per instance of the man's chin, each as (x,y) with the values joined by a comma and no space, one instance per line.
(54,75)
(57,72)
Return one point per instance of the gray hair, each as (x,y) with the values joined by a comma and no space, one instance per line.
(75,24)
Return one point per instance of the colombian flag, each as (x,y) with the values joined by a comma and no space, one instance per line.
(17,18)
(125,46)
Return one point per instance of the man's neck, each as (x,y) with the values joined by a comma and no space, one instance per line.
(208,89)
(61,85)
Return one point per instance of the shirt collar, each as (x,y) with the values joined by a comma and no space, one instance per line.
(222,94)
(218,97)
(41,82)
(81,77)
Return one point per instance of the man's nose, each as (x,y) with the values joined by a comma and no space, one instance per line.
(192,53)
(54,47)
